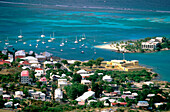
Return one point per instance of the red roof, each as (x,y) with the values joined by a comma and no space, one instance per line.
(38,69)
(123,103)
(25,73)
(19,57)
(89,89)
(43,79)
(114,103)
(3,61)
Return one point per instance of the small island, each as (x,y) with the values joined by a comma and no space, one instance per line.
(146,45)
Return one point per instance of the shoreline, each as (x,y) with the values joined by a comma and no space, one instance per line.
(108,46)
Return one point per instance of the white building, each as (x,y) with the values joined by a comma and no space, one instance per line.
(58,94)
(38,95)
(86,82)
(82,71)
(85,96)
(20,53)
(25,77)
(152,44)
(1,91)
(62,83)
(39,72)
(107,78)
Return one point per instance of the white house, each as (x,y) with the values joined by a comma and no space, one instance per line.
(38,95)
(85,96)
(5,96)
(39,72)
(82,71)
(107,78)
(58,94)
(86,82)
(20,54)
(62,83)
(18,94)
(142,104)
(25,77)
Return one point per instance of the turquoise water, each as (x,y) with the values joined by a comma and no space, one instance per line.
(103,21)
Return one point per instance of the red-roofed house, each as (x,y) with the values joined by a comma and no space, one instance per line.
(43,80)
(25,63)
(39,72)
(20,54)
(24,77)
(3,61)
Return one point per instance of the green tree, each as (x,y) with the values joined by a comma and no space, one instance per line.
(77,63)
(64,62)
(58,65)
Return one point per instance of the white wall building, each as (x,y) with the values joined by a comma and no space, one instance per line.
(1,91)
(107,78)
(58,94)
(62,83)
(39,72)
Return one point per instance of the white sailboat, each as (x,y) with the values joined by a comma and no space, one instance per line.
(20,36)
(30,44)
(82,52)
(42,34)
(66,41)
(6,43)
(62,44)
(50,40)
(24,43)
(84,37)
(47,46)
(53,37)
(61,50)
(76,41)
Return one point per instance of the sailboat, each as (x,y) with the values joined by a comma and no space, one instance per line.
(24,43)
(82,52)
(50,40)
(6,43)
(66,41)
(30,43)
(20,36)
(53,37)
(62,44)
(61,50)
(76,41)
(84,37)
(42,34)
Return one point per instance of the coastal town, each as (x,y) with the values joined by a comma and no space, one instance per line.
(146,45)
(42,82)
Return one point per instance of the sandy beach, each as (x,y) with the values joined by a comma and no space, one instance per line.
(106,46)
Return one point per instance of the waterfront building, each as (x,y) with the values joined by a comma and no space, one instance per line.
(152,44)
(20,54)
(25,77)
(124,65)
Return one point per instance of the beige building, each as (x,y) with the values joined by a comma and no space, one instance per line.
(125,65)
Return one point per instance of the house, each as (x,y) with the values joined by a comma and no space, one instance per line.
(1,91)
(152,44)
(84,76)
(107,78)
(18,94)
(142,104)
(25,77)
(41,58)
(38,95)
(58,94)
(47,55)
(158,104)
(127,96)
(43,80)
(62,83)
(25,63)
(83,98)
(20,54)
(6,96)
(148,83)
(150,95)
(54,77)
(86,82)
(82,71)
(3,62)
(39,72)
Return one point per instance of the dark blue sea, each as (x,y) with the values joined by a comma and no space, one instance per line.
(99,20)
